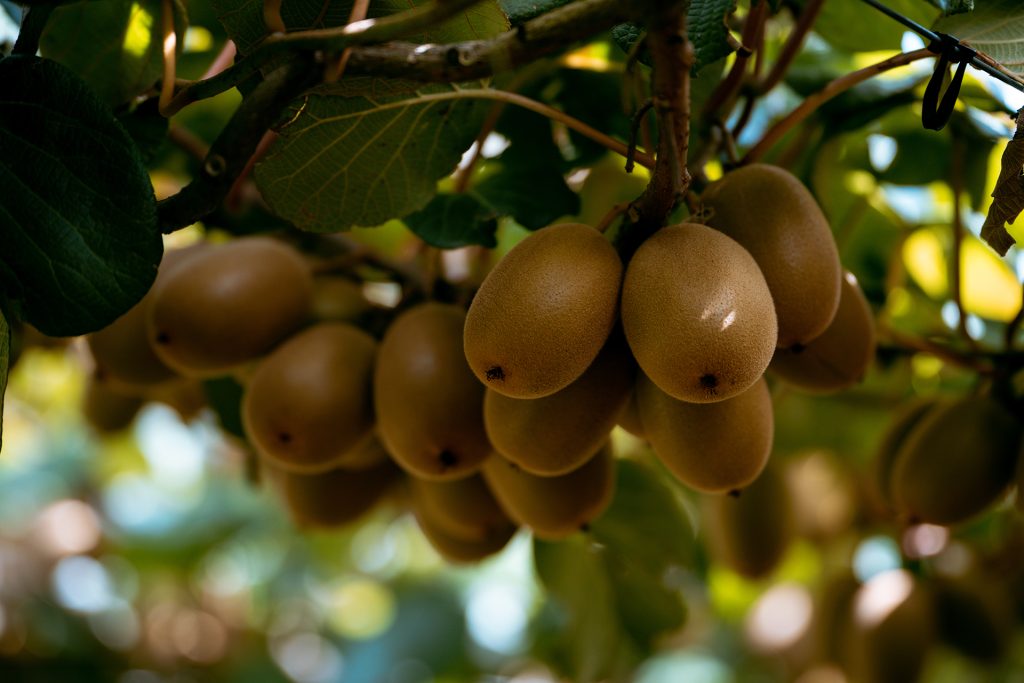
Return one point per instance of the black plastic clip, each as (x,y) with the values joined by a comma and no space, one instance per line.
(935,114)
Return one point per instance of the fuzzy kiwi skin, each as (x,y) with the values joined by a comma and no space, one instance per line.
(770,212)
(366,454)
(750,532)
(122,351)
(553,507)
(339,299)
(711,447)
(229,304)
(429,405)
(556,434)
(958,460)
(974,615)
(544,312)
(309,402)
(907,417)
(698,314)
(333,498)
(840,356)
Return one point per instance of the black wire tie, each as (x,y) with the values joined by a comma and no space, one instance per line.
(935,114)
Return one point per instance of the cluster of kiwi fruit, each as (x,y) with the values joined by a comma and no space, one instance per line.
(500,415)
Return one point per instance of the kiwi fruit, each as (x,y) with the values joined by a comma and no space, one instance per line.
(122,350)
(892,630)
(309,403)
(711,447)
(553,507)
(333,498)
(464,509)
(184,395)
(229,304)
(832,618)
(1020,480)
(750,532)
(698,314)
(907,417)
(956,461)
(840,356)
(543,313)
(108,410)
(770,212)
(429,405)
(460,550)
(337,298)
(556,434)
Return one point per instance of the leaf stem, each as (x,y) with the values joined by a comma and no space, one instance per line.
(32,24)
(836,87)
(724,95)
(793,44)
(337,69)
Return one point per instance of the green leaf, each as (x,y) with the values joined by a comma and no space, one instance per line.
(147,128)
(625,36)
(77,213)
(5,362)
(615,586)
(519,11)
(534,194)
(116,46)
(362,151)
(854,26)
(996,28)
(709,31)
(243,19)
(450,221)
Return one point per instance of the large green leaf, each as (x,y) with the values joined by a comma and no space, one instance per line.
(362,151)
(530,189)
(243,19)
(116,46)
(455,220)
(5,362)
(614,586)
(77,214)
(857,27)
(996,27)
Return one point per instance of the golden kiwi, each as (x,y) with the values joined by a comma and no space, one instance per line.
(556,434)
(698,314)
(308,403)
(840,356)
(122,350)
(1020,480)
(553,507)
(892,630)
(751,531)
(907,417)
(958,460)
(770,212)
(333,498)
(544,312)
(711,447)
(429,406)
(974,615)
(229,304)
(366,454)
(463,509)
(461,550)
(629,418)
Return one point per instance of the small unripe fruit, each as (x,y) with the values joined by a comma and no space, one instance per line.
(698,314)
(544,312)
